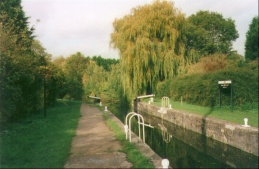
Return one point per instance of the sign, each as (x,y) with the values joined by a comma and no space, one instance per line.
(226,88)
(224,84)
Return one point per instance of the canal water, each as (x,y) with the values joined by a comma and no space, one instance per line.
(187,149)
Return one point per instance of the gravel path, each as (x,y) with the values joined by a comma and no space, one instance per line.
(94,145)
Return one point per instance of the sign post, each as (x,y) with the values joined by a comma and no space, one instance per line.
(225,87)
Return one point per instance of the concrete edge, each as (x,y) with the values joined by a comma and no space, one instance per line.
(143,147)
(236,135)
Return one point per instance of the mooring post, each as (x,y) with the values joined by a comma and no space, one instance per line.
(165,163)
(152,99)
(246,123)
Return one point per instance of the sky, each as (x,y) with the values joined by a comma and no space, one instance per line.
(65,27)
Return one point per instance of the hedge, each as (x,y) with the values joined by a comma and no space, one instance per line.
(202,89)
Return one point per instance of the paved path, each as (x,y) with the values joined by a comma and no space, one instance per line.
(94,145)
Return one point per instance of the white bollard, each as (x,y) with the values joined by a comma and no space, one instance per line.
(246,122)
(170,106)
(151,99)
(100,103)
(165,163)
(105,109)
(148,102)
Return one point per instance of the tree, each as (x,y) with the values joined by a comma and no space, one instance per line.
(20,79)
(151,46)
(59,62)
(13,20)
(251,44)
(24,62)
(105,63)
(95,80)
(215,62)
(210,33)
(74,68)
(54,83)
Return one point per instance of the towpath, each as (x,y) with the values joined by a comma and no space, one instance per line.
(94,145)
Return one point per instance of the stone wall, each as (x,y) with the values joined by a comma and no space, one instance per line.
(244,138)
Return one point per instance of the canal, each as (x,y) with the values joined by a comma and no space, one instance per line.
(187,149)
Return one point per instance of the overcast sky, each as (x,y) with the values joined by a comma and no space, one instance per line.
(70,26)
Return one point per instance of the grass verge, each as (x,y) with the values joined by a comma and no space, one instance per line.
(224,113)
(134,156)
(40,142)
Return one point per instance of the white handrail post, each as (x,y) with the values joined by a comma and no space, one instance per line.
(165,101)
(126,121)
(139,135)
(143,129)
(140,121)
(126,131)
(130,127)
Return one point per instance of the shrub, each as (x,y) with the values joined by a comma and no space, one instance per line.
(202,89)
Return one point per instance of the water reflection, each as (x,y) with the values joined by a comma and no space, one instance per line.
(187,149)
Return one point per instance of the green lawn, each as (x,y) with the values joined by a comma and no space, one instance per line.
(224,113)
(40,142)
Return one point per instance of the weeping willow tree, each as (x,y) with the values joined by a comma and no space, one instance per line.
(151,45)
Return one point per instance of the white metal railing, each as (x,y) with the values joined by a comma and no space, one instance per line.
(145,96)
(140,122)
(94,97)
(165,102)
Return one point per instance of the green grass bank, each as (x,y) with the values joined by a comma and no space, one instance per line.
(39,142)
(223,113)
(134,156)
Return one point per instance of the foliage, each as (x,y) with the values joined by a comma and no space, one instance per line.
(214,62)
(14,21)
(54,83)
(114,88)
(25,66)
(151,46)
(74,68)
(210,33)
(94,80)
(59,62)
(105,63)
(202,89)
(102,82)
(85,76)
(251,44)
(20,80)
(40,142)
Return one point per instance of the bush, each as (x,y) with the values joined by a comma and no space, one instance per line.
(202,89)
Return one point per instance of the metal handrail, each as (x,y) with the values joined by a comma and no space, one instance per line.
(145,96)
(140,122)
